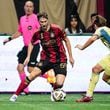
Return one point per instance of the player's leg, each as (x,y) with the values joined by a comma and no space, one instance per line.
(60,73)
(103,65)
(94,79)
(36,72)
(60,78)
(57,85)
(21,57)
(106,78)
(100,67)
(42,67)
(24,83)
(22,75)
(34,58)
(106,75)
(96,70)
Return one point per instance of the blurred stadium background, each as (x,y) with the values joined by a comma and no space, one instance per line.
(58,11)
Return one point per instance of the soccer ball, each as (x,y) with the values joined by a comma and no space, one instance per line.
(59,95)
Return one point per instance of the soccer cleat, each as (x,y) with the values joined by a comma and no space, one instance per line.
(85,99)
(13,98)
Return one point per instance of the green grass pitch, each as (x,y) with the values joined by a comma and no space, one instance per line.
(42,102)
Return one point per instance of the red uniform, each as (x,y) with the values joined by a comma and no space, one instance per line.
(52,45)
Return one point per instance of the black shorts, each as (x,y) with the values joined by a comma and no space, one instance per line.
(59,68)
(33,59)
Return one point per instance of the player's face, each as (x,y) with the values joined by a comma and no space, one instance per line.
(28,8)
(43,23)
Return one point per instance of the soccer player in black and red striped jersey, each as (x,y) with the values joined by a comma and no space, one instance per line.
(53,54)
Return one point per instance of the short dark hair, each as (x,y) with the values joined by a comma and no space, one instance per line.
(42,15)
(94,14)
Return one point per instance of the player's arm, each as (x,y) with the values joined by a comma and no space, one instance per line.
(30,48)
(87,43)
(68,46)
(14,36)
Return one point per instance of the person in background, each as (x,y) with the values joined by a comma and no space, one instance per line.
(27,26)
(91,28)
(74,25)
(103,33)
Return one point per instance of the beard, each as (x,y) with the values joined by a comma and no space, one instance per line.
(44,28)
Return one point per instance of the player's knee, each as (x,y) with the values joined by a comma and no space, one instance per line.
(105,79)
(19,69)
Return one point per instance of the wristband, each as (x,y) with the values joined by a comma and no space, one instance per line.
(9,38)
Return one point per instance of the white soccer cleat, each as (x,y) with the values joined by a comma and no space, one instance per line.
(13,98)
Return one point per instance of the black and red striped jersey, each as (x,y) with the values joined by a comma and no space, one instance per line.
(52,44)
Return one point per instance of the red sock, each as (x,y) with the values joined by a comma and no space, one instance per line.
(22,77)
(21,87)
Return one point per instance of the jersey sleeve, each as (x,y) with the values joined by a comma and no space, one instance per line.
(35,37)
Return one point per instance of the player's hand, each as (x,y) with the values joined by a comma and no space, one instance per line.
(71,60)
(26,61)
(80,47)
(5,41)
